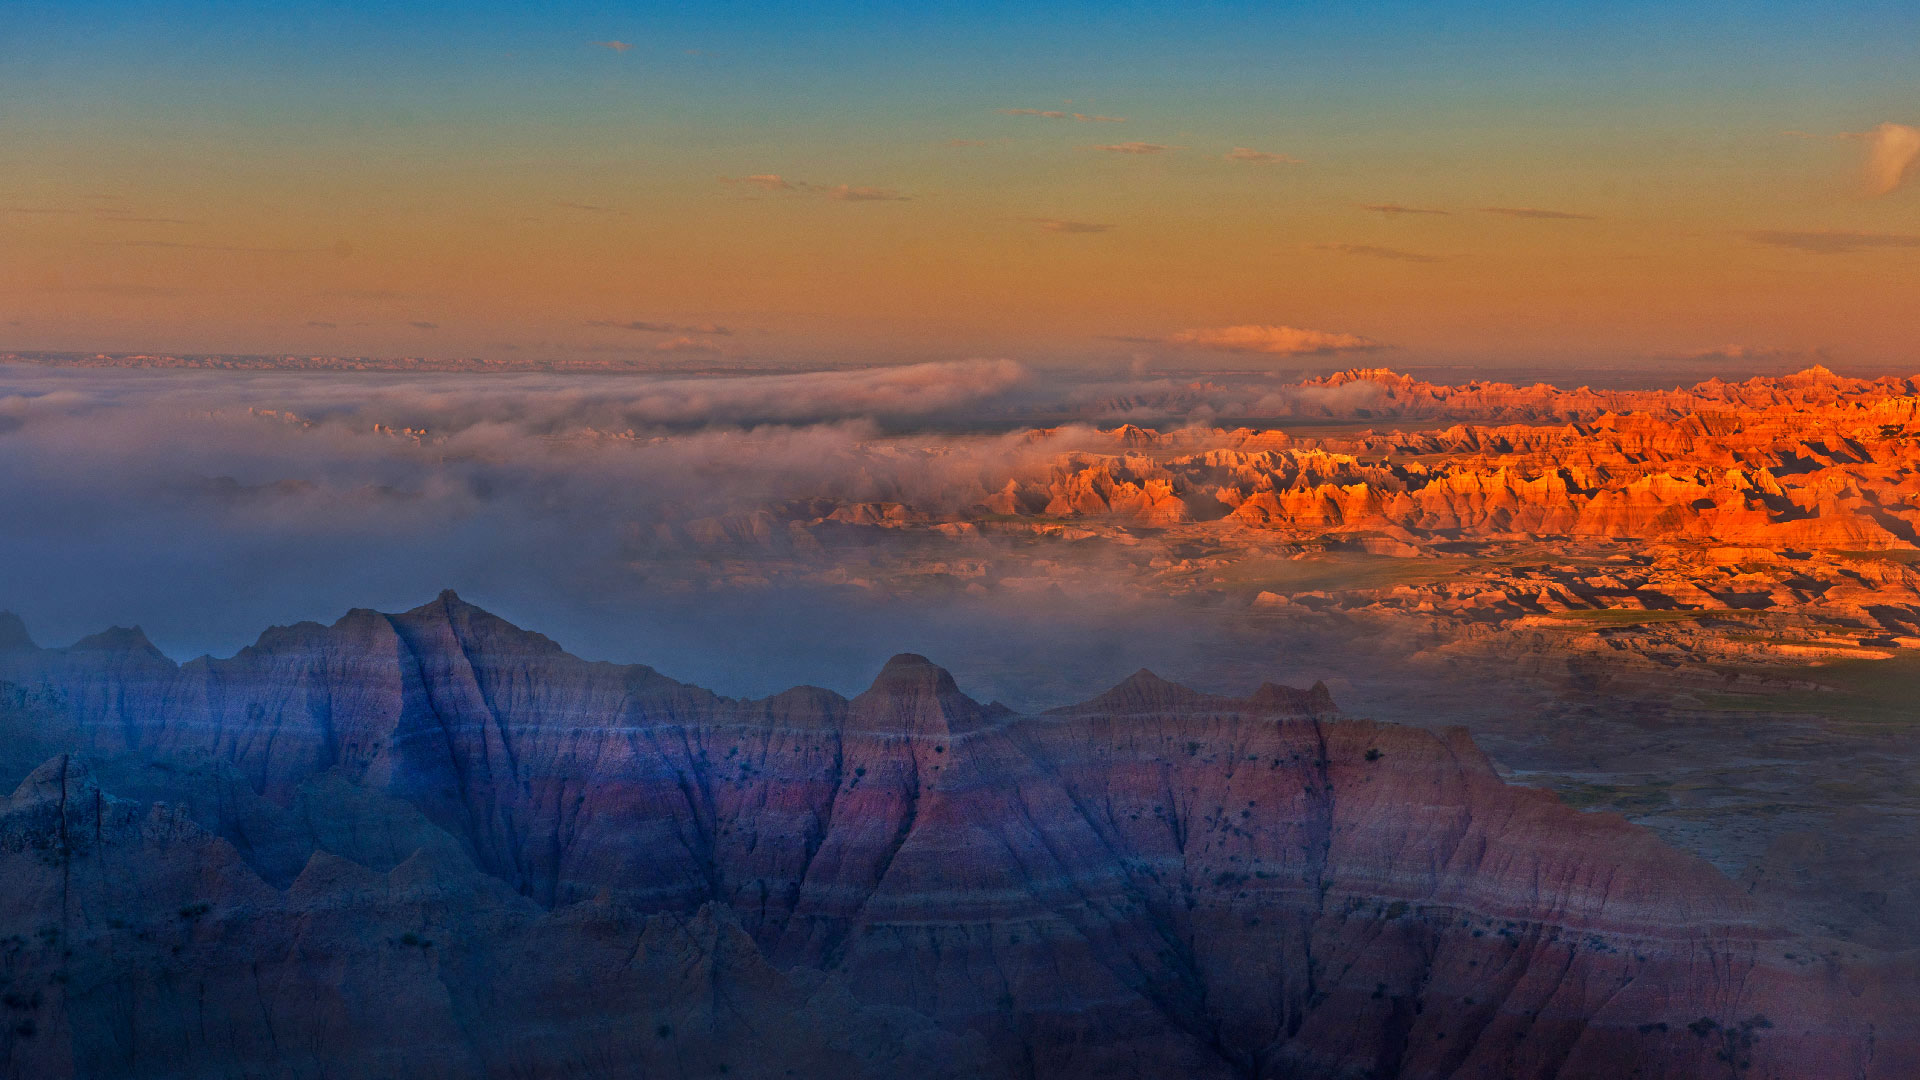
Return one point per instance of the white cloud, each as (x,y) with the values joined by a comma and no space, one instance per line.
(1274,340)
(1892,150)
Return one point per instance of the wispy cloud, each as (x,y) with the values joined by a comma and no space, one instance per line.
(1056,114)
(422,324)
(841,192)
(589,208)
(1536,214)
(1259,157)
(321,324)
(1271,340)
(662,327)
(1395,209)
(1057,225)
(848,193)
(1833,242)
(686,345)
(616,45)
(959,143)
(764,181)
(125,217)
(126,291)
(188,245)
(1135,148)
(1371,252)
(1892,150)
(1732,352)
(371,294)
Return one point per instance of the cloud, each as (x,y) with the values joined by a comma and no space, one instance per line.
(840,192)
(1259,157)
(662,327)
(1834,242)
(847,193)
(1056,225)
(959,143)
(589,208)
(1892,150)
(127,217)
(765,181)
(1135,148)
(1372,252)
(128,291)
(684,344)
(422,324)
(1732,352)
(1535,213)
(185,245)
(616,46)
(321,324)
(1055,114)
(1272,340)
(371,294)
(1395,209)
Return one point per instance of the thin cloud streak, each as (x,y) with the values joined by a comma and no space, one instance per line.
(1834,242)
(1251,156)
(1395,209)
(1056,225)
(1371,252)
(663,327)
(1536,214)
(838,192)
(590,208)
(1135,148)
(847,193)
(1056,114)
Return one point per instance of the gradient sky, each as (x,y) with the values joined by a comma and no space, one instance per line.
(483,179)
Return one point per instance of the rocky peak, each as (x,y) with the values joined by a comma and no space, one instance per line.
(13,633)
(118,639)
(1273,697)
(471,624)
(1142,692)
(912,695)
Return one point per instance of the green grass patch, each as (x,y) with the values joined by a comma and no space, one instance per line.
(1336,572)
(1867,692)
(1627,799)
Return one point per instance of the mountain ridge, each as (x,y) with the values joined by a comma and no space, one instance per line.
(1153,882)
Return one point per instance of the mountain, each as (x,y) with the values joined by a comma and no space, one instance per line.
(435,844)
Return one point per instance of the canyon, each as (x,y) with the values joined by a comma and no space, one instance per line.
(436,844)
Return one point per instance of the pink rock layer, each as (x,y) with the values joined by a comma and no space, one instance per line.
(434,844)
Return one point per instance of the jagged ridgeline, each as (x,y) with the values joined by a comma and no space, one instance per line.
(435,844)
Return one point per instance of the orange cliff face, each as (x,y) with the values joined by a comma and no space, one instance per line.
(1792,499)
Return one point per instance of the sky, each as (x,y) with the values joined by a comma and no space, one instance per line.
(1078,184)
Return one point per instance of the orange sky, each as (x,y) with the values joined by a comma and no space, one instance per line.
(501,204)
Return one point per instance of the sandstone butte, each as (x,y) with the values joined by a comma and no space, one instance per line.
(1807,461)
(433,844)
(1791,500)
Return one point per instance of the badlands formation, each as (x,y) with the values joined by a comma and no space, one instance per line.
(435,844)
(1699,608)
(1767,520)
